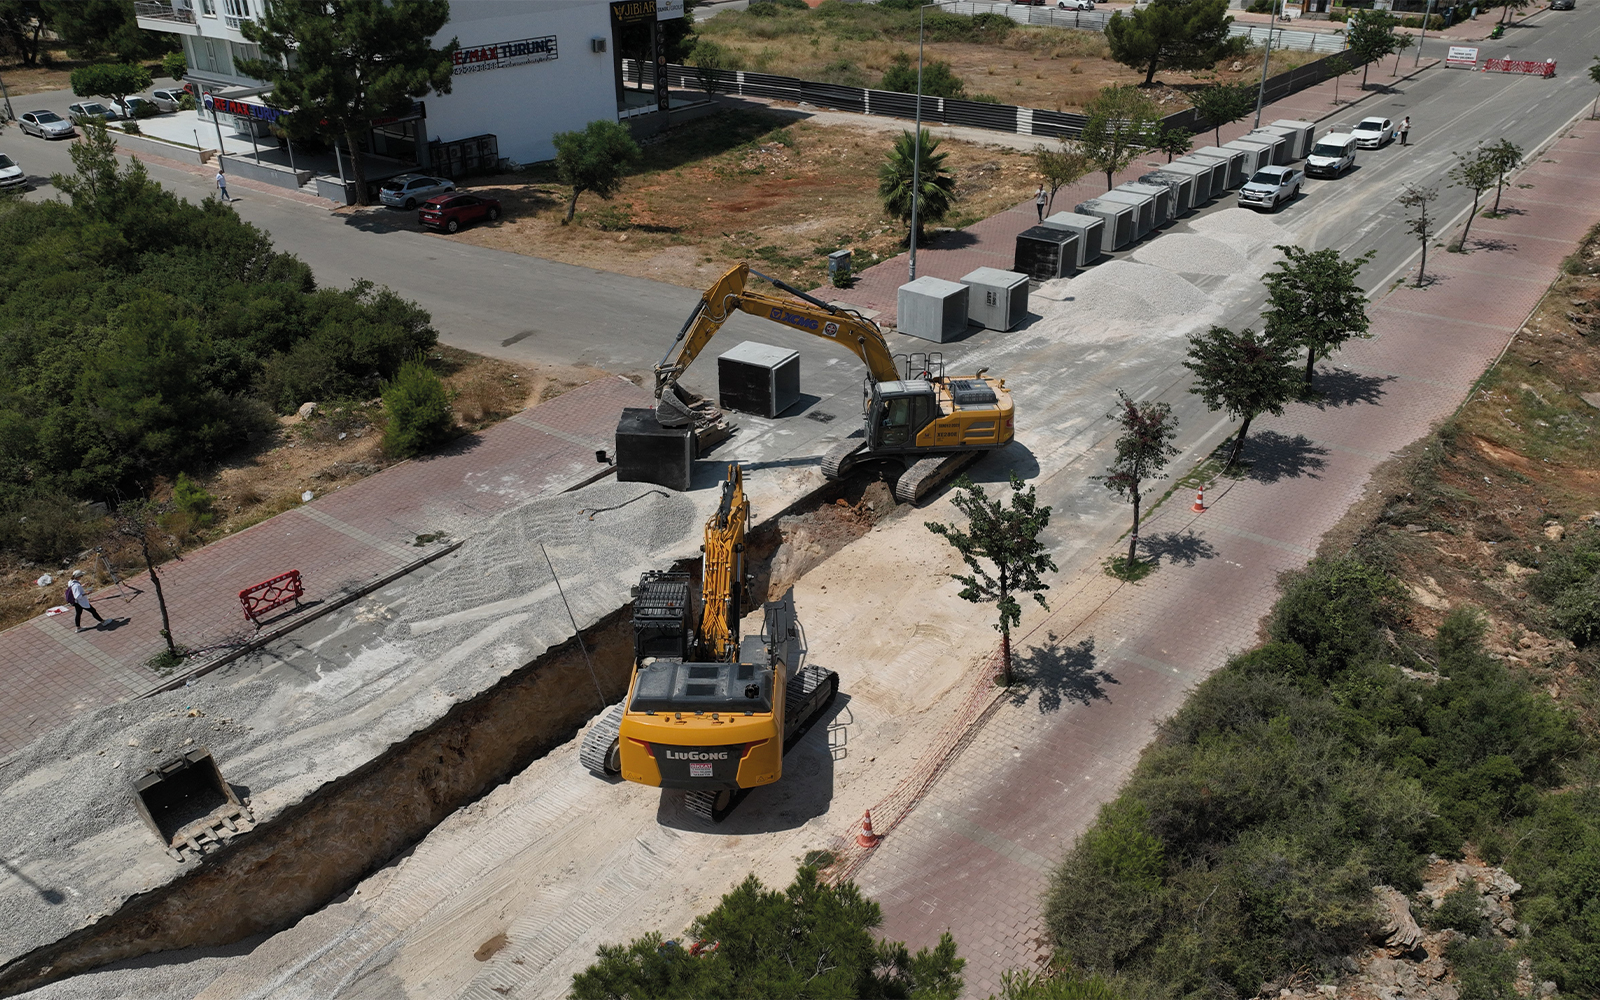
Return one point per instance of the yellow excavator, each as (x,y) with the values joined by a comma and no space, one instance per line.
(698,716)
(917,418)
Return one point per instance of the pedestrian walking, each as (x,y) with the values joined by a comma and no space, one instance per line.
(79,599)
(1405,129)
(222,186)
(1038,202)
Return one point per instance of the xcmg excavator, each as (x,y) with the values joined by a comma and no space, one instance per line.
(696,715)
(917,418)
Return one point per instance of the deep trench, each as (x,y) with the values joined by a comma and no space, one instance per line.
(318,849)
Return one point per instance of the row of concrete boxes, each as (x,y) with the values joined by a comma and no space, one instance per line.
(1068,241)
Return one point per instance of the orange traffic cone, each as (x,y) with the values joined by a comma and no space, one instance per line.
(866,838)
(1199,501)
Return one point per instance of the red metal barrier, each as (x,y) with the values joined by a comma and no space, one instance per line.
(273,593)
(1531,67)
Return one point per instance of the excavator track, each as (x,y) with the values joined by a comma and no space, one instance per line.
(714,806)
(811,691)
(841,458)
(927,474)
(599,751)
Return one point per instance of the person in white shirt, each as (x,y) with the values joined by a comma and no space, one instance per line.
(80,600)
(1038,202)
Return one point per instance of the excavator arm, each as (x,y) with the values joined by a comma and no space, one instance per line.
(722,570)
(804,312)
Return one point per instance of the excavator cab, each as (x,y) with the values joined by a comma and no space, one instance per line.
(898,411)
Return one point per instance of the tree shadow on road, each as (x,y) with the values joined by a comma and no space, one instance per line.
(1343,387)
(1186,548)
(1058,673)
(1270,456)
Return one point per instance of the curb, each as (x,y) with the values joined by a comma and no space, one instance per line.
(262,638)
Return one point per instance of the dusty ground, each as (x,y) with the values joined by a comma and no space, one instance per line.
(336,446)
(54,72)
(1033,67)
(740,186)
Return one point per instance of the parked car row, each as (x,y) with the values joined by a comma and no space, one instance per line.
(50,125)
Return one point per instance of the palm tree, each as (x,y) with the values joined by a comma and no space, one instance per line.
(895,182)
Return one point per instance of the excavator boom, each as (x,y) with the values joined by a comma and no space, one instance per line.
(722,570)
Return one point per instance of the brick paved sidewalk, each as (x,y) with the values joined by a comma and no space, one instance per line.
(339,542)
(992,242)
(974,855)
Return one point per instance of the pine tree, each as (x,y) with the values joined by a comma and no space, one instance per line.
(1170,34)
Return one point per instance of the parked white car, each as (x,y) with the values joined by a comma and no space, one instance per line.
(1075,4)
(1372,133)
(1332,155)
(1270,187)
(11,175)
(411,190)
(166,100)
(129,107)
(92,109)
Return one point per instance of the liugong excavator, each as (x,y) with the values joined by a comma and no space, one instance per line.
(695,716)
(929,424)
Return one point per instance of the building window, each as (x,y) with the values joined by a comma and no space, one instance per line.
(243,52)
(208,8)
(236,8)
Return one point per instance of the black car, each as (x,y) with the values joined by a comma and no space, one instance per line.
(1563,4)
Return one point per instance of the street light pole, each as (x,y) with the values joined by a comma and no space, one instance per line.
(1261,95)
(916,146)
(1425,17)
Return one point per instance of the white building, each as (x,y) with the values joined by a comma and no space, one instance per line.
(526,68)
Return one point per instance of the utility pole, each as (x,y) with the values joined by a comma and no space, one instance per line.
(916,146)
(1261,95)
(1425,17)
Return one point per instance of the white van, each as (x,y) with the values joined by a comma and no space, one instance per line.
(1331,155)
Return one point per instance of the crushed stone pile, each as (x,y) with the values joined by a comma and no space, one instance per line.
(1120,299)
(75,847)
(1190,253)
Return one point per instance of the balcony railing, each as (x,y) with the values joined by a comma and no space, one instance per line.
(164,12)
(234,21)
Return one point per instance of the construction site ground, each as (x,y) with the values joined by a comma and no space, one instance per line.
(553,863)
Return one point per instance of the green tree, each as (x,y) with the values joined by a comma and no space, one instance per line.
(1475,171)
(174,65)
(101,186)
(113,80)
(1224,103)
(1170,34)
(1370,36)
(710,58)
(1121,122)
(595,159)
(417,408)
(937,78)
(22,22)
(1009,539)
(813,940)
(1059,167)
(1143,450)
(1174,142)
(1402,42)
(92,29)
(896,181)
(1024,984)
(341,66)
(1421,224)
(1245,374)
(1506,156)
(1337,67)
(1314,301)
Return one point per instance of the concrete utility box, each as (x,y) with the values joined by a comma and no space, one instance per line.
(757,378)
(1089,230)
(1144,207)
(1234,158)
(1120,220)
(998,300)
(188,806)
(1210,175)
(650,453)
(1166,207)
(1045,253)
(1284,142)
(1256,154)
(932,309)
(1277,146)
(1307,132)
(1181,186)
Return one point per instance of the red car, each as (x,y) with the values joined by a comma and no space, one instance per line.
(450,211)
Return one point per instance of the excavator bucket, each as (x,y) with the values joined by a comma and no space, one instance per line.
(189,807)
(672,408)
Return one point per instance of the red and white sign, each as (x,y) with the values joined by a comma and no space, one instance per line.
(1462,56)
(1530,67)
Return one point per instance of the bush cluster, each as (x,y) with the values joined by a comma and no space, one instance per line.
(1568,583)
(1306,772)
(142,336)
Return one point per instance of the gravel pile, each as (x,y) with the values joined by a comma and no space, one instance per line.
(66,801)
(1120,299)
(1190,253)
(1245,229)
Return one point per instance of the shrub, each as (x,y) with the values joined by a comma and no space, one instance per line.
(187,103)
(1577,612)
(1333,609)
(937,78)
(132,127)
(1485,969)
(1461,910)
(418,411)
(194,501)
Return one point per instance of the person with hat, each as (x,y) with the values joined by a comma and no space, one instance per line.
(79,599)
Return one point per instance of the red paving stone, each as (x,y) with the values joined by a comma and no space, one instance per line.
(972,858)
(339,542)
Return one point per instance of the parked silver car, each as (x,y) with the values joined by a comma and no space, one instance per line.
(46,125)
(92,109)
(1270,187)
(411,190)
(166,100)
(11,175)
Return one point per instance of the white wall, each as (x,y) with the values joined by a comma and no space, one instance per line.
(525,105)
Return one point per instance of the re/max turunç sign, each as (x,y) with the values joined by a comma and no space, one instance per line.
(478,58)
